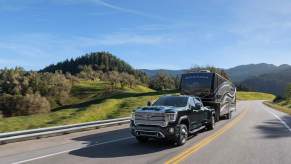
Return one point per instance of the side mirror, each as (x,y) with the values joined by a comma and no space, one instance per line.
(149,103)
(198,106)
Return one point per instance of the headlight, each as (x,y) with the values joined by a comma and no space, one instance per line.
(171,117)
(132,115)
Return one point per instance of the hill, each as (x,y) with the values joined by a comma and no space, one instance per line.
(274,82)
(99,61)
(244,72)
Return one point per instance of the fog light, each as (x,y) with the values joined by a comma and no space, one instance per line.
(171,130)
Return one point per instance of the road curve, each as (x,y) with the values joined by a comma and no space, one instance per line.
(257,134)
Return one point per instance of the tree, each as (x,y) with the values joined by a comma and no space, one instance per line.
(241,87)
(113,78)
(13,81)
(23,105)
(88,73)
(162,81)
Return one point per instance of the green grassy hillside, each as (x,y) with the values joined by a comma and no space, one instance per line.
(89,102)
(255,96)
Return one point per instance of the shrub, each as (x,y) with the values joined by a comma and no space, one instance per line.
(162,81)
(23,105)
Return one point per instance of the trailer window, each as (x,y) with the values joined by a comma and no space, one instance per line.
(201,82)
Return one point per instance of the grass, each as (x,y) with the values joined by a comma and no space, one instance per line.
(89,102)
(283,106)
(255,96)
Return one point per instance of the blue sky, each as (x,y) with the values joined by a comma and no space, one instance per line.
(171,34)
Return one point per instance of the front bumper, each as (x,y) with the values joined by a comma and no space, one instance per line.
(170,132)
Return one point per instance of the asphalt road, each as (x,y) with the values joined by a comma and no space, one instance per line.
(256,135)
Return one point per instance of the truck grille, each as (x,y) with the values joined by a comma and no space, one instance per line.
(147,118)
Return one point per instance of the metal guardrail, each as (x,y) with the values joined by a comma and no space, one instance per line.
(58,130)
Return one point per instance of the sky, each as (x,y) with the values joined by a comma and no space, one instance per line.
(148,34)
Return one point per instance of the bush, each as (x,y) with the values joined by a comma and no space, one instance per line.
(23,105)
(162,81)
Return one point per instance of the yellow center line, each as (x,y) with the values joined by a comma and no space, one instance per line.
(185,154)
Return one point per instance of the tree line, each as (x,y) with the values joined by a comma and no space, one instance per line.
(99,62)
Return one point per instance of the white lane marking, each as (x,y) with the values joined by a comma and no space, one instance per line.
(283,122)
(67,151)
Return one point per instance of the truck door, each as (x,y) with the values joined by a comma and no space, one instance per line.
(201,114)
(194,115)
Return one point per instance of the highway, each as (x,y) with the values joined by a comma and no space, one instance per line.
(256,134)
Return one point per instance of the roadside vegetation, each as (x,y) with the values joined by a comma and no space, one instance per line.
(243,95)
(282,104)
(89,102)
(93,87)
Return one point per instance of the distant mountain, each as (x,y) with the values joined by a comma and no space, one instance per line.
(152,73)
(256,77)
(244,72)
(274,82)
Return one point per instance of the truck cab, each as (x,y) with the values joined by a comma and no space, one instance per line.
(171,118)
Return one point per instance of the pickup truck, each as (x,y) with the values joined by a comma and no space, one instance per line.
(171,118)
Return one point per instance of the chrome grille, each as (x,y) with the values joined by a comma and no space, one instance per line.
(150,118)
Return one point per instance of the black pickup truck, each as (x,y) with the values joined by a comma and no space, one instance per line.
(171,118)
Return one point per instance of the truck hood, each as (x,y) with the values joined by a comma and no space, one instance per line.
(160,109)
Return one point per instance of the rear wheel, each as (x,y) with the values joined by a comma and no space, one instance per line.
(183,135)
(229,115)
(142,139)
(211,124)
(217,115)
(217,112)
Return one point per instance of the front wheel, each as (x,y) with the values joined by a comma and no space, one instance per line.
(183,135)
(211,123)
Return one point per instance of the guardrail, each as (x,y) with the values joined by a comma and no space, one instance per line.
(17,136)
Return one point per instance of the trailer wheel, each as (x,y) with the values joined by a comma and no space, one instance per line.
(229,115)
(217,115)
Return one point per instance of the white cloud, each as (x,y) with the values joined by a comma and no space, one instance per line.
(122,39)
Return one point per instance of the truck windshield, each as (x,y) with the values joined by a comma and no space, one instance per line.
(172,101)
(200,82)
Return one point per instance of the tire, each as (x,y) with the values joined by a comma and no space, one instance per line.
(211,124)
(142,139)
(217,113)
(183,135)
(229,116)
